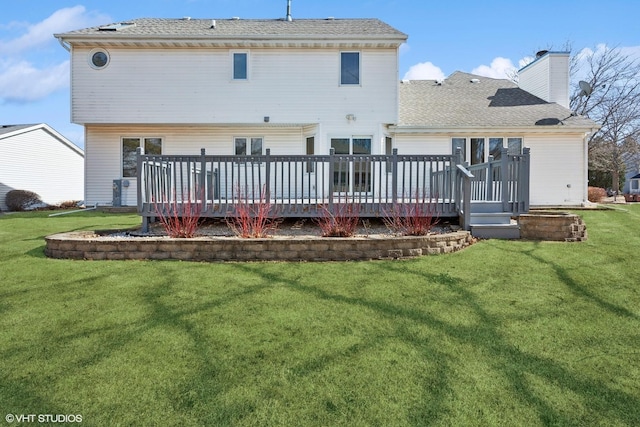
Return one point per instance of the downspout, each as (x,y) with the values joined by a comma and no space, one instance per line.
(585,151)
(64,44)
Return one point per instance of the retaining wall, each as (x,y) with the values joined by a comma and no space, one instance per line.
(558,226)
(87,245)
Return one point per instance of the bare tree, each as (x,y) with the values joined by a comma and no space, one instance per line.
(613,102)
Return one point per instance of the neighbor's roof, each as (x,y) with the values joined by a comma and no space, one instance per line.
(258,29)
(468,101)
(9,131)
(12,128)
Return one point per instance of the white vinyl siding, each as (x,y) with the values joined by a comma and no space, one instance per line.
(557,170)
(103,150)
(36,160)
(192,86)
(548,78)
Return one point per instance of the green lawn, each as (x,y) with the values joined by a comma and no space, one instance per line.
(511,333)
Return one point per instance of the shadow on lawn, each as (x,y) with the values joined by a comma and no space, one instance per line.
(514,364)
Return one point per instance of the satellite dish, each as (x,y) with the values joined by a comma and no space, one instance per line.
(585,88)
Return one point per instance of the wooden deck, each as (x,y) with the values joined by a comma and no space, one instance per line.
(310,186)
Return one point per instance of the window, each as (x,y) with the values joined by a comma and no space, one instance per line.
(350,68)
(245,146)
(240,66)
(98,58)
(311,142)
(476,150)
(388,150)
(151,146)
(351,177)
(459,144)
(495,147)
(514,145)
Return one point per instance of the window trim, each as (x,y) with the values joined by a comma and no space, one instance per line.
(247,54)
(248,145)
(487,144)
(310,165)
(141,144)
(359,83)
(95,51)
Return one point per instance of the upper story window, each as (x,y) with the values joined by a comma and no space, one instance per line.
(152,146)
(240,65)
(349,68)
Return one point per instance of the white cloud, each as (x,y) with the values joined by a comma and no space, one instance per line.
(25,80)
(500,68)
(22,82)
(424,71)
(41,33)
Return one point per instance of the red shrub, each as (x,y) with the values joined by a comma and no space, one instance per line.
(252,218)
(341,221)
(415,218)
(596,194)
(180,219)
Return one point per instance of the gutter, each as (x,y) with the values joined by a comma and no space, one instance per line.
(63,43)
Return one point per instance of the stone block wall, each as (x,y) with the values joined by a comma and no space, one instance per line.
(86,245)
(561,226)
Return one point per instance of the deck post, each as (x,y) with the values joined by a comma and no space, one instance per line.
(267,178)
(489,180)
(525,179)
(505,176)
(139,173)
(332,153)
(394,176)
(202,193)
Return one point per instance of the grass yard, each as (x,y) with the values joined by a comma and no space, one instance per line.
(511,333)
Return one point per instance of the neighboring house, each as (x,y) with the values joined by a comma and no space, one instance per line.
(238,87)
(482,115)
(37,158)
(632,174)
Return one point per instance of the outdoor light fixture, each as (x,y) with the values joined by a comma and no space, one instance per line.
(351,117)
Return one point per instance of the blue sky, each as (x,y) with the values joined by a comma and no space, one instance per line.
(486,37)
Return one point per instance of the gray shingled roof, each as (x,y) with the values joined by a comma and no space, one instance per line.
(459,103)
(244,28)
(12,128)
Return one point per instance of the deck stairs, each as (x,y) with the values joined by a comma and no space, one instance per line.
(489,221)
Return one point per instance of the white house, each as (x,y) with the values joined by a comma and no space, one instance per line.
(37,158)
(232,86)
(238,87)
(482,115)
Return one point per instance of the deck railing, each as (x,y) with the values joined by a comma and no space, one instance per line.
(308,186)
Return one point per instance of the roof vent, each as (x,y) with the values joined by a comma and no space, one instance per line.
(439,82)
(405,81)
(236,18)
(475,80)
(289,11)
(187,18)
(117,27)
(213,24)
(331,18)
